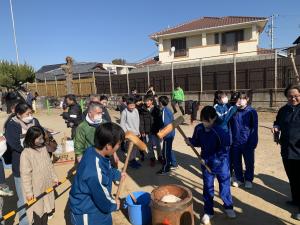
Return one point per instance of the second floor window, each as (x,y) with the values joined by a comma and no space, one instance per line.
(180,46)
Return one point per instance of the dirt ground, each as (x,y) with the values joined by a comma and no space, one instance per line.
(263,205)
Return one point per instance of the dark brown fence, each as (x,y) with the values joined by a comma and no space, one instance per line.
(254,73)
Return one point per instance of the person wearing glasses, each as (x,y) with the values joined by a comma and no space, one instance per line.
(286,132)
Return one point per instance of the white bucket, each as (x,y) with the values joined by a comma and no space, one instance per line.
(69,146)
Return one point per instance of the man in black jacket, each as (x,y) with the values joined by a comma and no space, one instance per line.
(72,114)
(150,124)
(287,133)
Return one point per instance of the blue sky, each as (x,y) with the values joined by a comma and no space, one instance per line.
(98,30)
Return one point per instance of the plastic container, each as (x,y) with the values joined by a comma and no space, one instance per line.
(139,213)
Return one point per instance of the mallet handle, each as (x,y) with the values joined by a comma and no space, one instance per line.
(194,149)
(130,147)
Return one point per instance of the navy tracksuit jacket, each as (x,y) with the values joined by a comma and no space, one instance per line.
(214,150)
(244,128)
(90,198)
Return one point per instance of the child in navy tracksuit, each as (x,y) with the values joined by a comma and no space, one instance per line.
(244,126)
(168,154)
(214,142)
(90,198)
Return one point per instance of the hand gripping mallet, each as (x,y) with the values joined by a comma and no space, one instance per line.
(176,124)
(133,140)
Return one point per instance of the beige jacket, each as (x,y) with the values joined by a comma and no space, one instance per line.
(37,174)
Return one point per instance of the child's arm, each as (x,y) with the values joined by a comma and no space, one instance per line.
(116,174)
(227,116)
(194,140)
(26,176)
(253,138)
(123,120)
(100,195)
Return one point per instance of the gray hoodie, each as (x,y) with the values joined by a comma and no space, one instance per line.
(130,121)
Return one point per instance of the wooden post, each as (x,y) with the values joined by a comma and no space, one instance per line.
(36,86)
(79,80)
(95,87)
(201,76)
(110,87)
(127,77)
(56,88)
(46,88)
(234,72)
(148,75)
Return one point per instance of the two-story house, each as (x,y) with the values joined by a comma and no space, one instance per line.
(216,37)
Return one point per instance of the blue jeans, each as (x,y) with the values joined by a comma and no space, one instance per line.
(220,169)
(248,154)
(168,155)
(21,201)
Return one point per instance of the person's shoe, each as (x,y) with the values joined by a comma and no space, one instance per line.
(5,191)
(152,162)
(161,160)
(230,213)
(248,185)
(206,219)
(174,167)
(236,183)
(162,173)
(297,216)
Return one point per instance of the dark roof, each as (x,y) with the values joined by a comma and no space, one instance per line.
(297,41)
(264,51)
(208,22)
(84,69)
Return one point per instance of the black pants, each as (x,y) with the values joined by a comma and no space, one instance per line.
(180,104)
(292,168)
(40,220)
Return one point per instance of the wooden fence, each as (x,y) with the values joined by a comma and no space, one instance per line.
(81,87)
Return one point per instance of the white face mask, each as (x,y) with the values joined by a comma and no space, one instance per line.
(243,102)
(27,119)
(97,119)
(224,100)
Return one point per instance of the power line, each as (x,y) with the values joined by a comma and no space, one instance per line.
(14,31)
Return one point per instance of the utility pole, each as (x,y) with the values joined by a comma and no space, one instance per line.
(271,32)
(14,31)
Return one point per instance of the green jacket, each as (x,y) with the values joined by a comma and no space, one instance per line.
(178,95)
(84,138)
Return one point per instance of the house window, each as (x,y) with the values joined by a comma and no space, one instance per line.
(180,47)
(217,38)
(230,40)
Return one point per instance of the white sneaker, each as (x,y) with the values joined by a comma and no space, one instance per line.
(206,219)
(230,213)
(248,185)
(236,183)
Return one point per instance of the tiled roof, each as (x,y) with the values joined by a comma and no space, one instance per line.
(297,41)
(148,62)
(207,22)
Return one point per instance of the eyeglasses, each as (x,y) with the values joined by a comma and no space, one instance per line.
(293,97)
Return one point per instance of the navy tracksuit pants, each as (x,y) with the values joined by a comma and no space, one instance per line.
(91,219)
(220,170)
(168,155)
(248,154)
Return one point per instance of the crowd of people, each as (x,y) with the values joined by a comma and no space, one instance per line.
(227,136)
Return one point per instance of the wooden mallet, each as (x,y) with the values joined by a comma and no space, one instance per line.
(176,124)
(133,140)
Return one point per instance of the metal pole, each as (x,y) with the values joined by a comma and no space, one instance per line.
(110,87)
(148,74)
(127,77)
(201,77)
(234,72)
(79,79)
(275,71)
(94,82)
(172,70)
(36,86)
(56,88)
(14,31)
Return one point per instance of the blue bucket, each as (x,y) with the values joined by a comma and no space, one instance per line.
(139,213)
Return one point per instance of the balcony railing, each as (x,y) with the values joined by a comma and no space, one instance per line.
(229,48)
(181,52)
